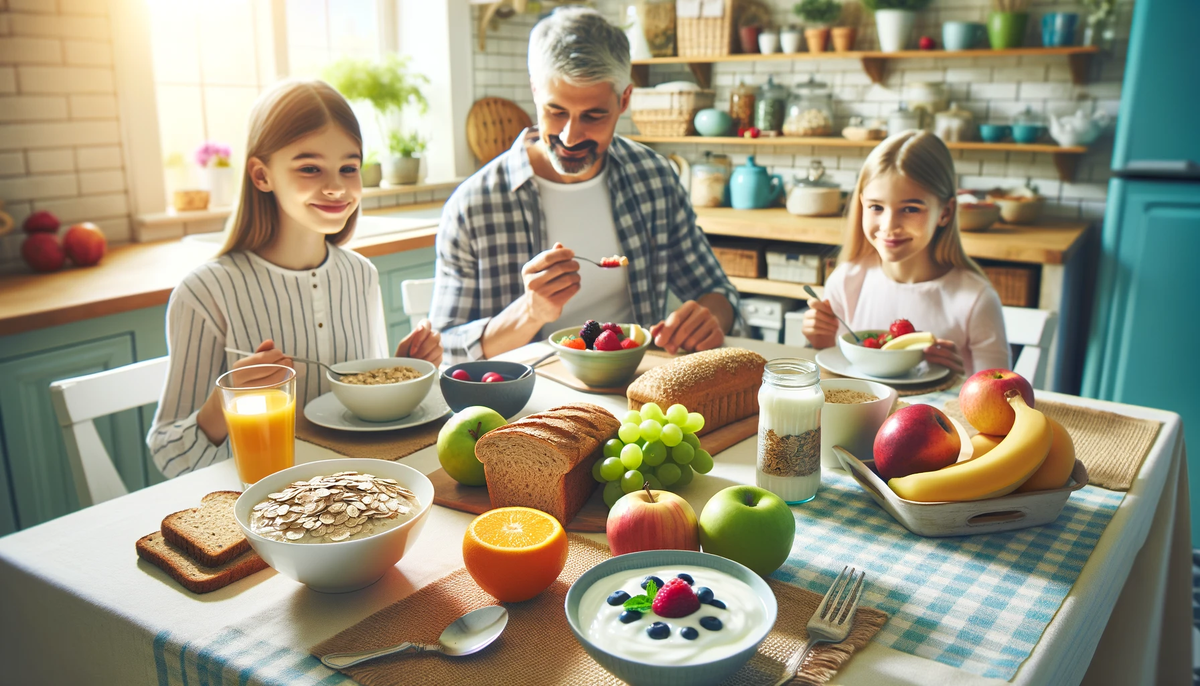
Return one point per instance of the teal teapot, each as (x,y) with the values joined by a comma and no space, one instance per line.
(752,188)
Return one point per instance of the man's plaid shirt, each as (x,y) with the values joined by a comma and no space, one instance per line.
(494,224)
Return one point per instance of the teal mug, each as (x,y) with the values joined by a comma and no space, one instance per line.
(962,35)
(994,133)
(1007,29)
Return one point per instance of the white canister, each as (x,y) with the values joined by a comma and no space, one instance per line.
(789,41)
(852,423)
(789,430)
(768,42)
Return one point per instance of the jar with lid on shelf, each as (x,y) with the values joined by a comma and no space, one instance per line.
(955,125)
(903,119)
(810,111)
(770,106)
(927,99)
(709,181)
(789,430)
(741,106)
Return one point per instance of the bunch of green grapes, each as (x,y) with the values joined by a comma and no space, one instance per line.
(654,447)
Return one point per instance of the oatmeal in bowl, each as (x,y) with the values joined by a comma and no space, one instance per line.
(383,389)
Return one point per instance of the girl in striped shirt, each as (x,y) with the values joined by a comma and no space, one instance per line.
(281,285)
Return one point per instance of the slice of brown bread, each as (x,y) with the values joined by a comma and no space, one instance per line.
(720,384)
(209,534)
(193,576)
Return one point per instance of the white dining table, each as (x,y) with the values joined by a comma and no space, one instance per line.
(77,605)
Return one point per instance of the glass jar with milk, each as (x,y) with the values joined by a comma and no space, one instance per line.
(789,430)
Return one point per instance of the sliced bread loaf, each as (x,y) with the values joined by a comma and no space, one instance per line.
(545,460)
(209,534)
(720,384)
(193,576)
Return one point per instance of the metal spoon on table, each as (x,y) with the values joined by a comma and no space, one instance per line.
(533,365)
(468,634)
(319,363)
(808,289)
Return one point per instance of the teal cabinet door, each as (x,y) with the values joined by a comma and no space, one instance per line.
(393,270)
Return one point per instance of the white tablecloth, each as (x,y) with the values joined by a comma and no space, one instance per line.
(77,606)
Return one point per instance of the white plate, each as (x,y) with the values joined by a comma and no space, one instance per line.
(326,411)
(833,360)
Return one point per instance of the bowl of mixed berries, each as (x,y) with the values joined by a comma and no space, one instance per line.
(888,353)
(599,354)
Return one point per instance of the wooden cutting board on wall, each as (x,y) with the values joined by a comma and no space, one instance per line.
(492,126)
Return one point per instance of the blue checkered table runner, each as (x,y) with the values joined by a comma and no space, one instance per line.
(231,656)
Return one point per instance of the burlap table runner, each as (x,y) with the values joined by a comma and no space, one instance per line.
(382,445)
(905,390)
(1112,446)
(538,647)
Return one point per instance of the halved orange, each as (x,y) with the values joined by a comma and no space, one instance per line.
(514,553)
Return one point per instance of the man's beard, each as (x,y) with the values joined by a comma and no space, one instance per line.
(571,166)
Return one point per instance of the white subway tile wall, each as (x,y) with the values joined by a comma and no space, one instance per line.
(59,133)
(993,88)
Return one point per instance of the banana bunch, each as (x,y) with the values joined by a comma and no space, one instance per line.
(1036,454)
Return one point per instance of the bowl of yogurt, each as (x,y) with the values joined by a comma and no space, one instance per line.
(704,643)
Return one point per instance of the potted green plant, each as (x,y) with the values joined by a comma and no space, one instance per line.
(894,21)
(818,16)
(371,171)
(1006,23)
(403,165)
(391,89)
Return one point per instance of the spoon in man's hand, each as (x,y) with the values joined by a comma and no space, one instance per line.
(808,289)
(468,634)
(614,262)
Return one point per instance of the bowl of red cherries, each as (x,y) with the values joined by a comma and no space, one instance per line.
(503,386)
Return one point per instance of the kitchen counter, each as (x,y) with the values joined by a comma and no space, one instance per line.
(139,275)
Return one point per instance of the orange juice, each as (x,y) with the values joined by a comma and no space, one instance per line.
(262,432)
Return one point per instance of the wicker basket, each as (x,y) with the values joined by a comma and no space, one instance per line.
(741,259)
(667,113)
(190,201)
(1017,285)
(698,33)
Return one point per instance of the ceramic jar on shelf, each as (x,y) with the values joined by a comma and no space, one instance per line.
(955,125)
(926,98)
(903,119)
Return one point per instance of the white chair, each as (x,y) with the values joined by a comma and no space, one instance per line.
(1033,330)
(417,297)
(78,401)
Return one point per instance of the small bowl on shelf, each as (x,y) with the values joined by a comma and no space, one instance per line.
(506,397)
(993,133)
(876,362)
(599,368)
(1017,206)
(977,216)
(1027,133)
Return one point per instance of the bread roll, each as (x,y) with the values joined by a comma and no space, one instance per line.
(544,461)
(720,384)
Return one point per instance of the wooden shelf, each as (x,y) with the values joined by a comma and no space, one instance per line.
(780,289)
(874,63)
(1045,243)
(1065,158)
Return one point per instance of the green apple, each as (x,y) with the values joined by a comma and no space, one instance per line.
(750,525)
(456,443)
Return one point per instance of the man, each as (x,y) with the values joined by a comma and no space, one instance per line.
(506,267)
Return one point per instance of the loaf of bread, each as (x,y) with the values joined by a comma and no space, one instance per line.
(190,574)
(209,534)
(720,384)
(544,461)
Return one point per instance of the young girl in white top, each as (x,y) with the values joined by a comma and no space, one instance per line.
(902,258)
(281,285)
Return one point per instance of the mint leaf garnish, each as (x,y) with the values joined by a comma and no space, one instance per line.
(651,589)
(642,603)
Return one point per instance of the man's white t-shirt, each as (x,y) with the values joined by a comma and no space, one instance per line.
(579,215)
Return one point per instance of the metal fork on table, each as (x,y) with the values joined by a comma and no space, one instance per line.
(831,621)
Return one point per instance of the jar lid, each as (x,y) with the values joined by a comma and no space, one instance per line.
(812,86)
(1028,116)
(955,112)
(770,89)
(814,179)
(791,372)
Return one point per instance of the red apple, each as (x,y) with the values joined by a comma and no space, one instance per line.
(652,520)
(917,438)
(926,43)
(983,403)
(42,221)
(85,244)
(42,252)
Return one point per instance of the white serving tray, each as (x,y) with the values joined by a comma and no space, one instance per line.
(1006,513)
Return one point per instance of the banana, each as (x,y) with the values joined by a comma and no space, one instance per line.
(997,473)
(1056,470)
(921,338)
(983,444)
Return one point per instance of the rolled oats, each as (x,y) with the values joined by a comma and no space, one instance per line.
(333,508)
(382,375)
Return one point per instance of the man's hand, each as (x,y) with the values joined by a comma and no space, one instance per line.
(692,327)
(422,343)
(551,279)
(820,326)
(945,353)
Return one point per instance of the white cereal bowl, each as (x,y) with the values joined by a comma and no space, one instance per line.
(346,565)
(853,426)
(882,363)
(383,402)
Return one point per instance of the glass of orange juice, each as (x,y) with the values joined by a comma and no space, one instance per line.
(260,411)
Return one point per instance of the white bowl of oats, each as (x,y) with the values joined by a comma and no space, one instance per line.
(335,525)
(383,389)
(853,412)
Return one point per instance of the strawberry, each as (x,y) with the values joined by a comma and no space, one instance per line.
(901,327)
(872,343)
(573,343)
(615,328)
(606,341)
(675,599)
(628,344)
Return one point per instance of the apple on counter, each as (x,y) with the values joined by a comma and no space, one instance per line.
(651,520)
(917,438)
(41,251)
(983,402)
(456,443)
(750,525)
(85,244)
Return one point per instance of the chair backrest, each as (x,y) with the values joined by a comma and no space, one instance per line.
(417,295)
(78,401)
(1033,330)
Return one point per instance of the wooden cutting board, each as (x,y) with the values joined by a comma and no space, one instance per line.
(492,126)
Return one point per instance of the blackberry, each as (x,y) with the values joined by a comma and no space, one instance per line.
(590,331)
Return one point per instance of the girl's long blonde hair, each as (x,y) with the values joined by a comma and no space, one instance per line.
(284,114)
(924,158)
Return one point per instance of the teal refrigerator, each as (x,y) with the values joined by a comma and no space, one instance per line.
(1144,339)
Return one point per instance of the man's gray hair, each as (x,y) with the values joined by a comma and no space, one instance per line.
(579,46)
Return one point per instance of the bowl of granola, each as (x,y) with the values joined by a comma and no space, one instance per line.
(335,525)
(382,389)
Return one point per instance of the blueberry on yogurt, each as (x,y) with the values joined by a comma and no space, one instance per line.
(658,631)
(705,594)
(689,633)
(720,605)
(686,577)
(618,598)
(658,583)
(711,623)
(630,616)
